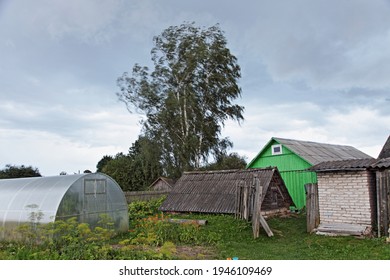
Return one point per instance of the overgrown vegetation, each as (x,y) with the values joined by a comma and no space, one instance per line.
(152,236)
(14,171)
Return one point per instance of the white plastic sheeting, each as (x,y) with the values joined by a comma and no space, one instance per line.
(46,199)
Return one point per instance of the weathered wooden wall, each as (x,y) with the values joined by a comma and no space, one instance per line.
(312,207)
(144,195)
(248,203)
(383,201)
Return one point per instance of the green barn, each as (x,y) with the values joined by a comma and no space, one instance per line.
(293,157)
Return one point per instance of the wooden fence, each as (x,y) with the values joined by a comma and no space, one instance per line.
(144,195)
(312,207)
(383,201)
(248,205)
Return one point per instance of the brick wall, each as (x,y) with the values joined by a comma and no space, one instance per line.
(346,197)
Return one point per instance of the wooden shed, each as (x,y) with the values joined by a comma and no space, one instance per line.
(162,184)
(382,174)
(215,191)
(294,157)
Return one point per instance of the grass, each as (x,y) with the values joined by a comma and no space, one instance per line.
(290,241)
(152,237)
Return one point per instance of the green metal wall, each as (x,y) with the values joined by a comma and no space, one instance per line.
(291,168)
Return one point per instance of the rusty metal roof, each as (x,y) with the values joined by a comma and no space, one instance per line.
(214,191)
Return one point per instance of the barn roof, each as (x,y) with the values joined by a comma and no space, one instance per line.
(314,152)
(383,161)
(214,191)
(168,181)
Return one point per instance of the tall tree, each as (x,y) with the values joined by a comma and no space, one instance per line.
(225,162)
(138,169)
(14,171)
(103,162)
(188,96)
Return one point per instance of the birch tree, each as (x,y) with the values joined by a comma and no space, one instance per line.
(187,97)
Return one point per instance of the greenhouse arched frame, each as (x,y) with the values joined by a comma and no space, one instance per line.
(47,199)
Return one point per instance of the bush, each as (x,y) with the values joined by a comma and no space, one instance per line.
(143,209)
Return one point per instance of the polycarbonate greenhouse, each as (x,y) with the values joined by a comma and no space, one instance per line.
(47,199)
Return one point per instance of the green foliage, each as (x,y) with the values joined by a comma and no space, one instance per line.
(142,209)
(187,97)
(136,170)
(153,237)
(62,240)
(103,162)
(226,162)
(149,226)
(14,171)
(119,169)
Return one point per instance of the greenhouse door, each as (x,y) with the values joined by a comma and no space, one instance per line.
(95,200)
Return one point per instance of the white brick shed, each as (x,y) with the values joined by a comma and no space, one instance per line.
(354,195)
(346,196)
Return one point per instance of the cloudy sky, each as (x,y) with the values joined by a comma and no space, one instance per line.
(311,70)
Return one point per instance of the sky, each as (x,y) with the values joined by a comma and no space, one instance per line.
(310,70)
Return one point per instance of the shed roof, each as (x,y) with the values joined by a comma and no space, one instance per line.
(383,161)
(214,191)
(168,181)
(343,165)
(385,152)
(314,152)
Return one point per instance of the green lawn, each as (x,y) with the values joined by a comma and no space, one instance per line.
(151,236)
(290,241)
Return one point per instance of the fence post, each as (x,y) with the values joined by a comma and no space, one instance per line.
(312,207)
(258,193)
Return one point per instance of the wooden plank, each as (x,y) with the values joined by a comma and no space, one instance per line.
(245,202)
(188,221)
(265,226)
(258,194)
(385,213)
(386,197)
(378,206)
(341,229)
(312,207)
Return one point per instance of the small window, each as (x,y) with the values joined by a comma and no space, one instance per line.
(94,186)
(277,149)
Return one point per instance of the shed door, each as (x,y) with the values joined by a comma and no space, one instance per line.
(95,200)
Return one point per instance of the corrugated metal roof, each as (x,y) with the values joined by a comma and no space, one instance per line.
(385,152)
(315,153)
(339,165)
(382,163)
(214,191)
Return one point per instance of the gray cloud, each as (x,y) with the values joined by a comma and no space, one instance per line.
(331,45)
(311,70)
